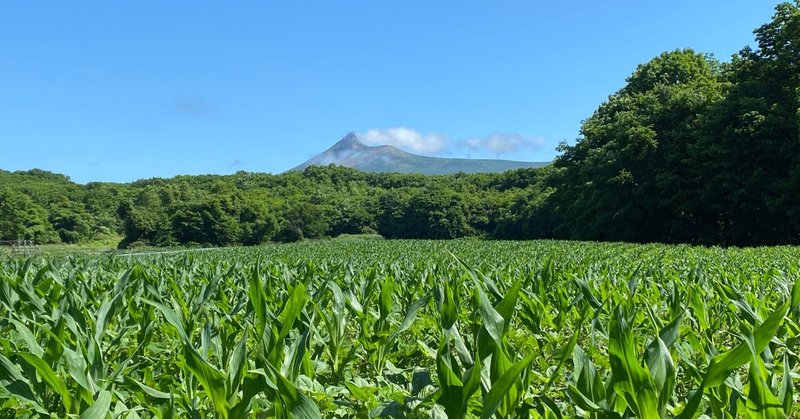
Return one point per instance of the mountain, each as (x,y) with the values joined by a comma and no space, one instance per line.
(350,152)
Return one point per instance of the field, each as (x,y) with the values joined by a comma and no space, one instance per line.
(404,329)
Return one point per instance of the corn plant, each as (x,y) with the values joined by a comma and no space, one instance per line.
(456,329)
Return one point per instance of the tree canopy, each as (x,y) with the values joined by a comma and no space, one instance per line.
(690,150)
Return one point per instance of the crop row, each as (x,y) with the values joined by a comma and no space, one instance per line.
(404,329)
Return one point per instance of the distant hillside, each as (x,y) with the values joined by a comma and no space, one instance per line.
(350,152)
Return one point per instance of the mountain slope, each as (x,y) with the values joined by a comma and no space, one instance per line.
(350,152)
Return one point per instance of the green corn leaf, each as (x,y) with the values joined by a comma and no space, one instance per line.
(589,382)
(100,408)
(237,366)
(354,304)
(150,391)
(50,377)
(171,317)
(670,333)
(501,362)
(386,301)
(212,380)
(451,392)
(566,353)
(295,357)
(632,381)
(79,371)
(580,400)
(103,314)
(500,387)
(338,309)
(461,347)
(761,403)
(256,294)
(660,363)
(548,408)
(588,295)
(299,405)
(253,383)
(449,309)
(724,364)
(28,337)
(358,392)
(12,379)
(472,382)
(208,291)
(292,309)
(506,306)
(662,370)
(492,320)
(786,391)
(411,315)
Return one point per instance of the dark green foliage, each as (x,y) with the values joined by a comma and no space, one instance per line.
(251,208)
(631,176)
(257,223)
(753,154)
(71,220)
(22,219)
(27,201)
(692,150)
(302,220)
(145,220)
(205,222)
(437,214)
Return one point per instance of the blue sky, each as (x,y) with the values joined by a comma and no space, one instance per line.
(118,91)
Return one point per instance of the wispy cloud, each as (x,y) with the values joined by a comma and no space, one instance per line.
(235,163)
(194,106)
(406,139)
(501,143)
(496,143)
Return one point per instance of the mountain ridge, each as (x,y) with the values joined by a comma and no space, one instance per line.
(351,152)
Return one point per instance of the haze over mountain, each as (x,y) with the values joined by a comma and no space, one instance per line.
(351,152)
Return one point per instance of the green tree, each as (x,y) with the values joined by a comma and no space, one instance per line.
(302,220)
(71,220)
(630,174)
(437,214)
(23,219)
(752,153)
(258,225)
(144,219)
(392,220)
(205,222)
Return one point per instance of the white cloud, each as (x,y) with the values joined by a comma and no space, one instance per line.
(501,143)
(497,143)
(406,139)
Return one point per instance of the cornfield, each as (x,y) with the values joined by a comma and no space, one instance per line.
(404,329)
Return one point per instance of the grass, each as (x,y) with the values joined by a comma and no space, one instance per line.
(106,243)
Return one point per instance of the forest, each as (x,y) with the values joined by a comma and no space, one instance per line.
(690,150)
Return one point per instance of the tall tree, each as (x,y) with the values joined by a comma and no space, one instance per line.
(753,154)
(629,175)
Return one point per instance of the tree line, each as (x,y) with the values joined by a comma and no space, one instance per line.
(253,208)
(690,150)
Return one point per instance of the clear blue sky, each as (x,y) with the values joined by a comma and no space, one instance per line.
(117,91)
